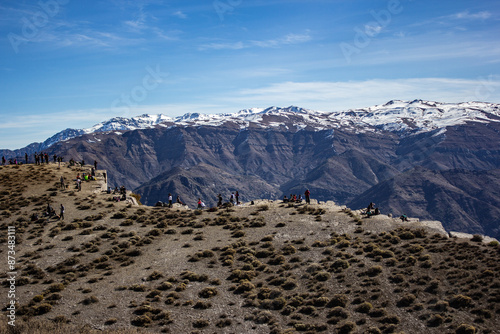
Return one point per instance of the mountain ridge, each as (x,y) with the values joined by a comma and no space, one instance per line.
(395,116)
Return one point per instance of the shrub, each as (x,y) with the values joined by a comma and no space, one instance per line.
(207,292)
(309,309)
(340,264)
(141,321)
(364,307)
(153,294)
(347,327)
(477,238)
(322,276)
(56,287)
(338,312)
(459,301)
(42,309)
(200,305)
(465,329)
(90,300)
(289,284)
(435,320)
(37,298)
(154,276)
(288,249)
(165,286)
(320,301)
(374,271)
(406,300)
(263,207)
(200,323)
(338,300)
(390,319)
(378,312)
(244,286)
(223,323)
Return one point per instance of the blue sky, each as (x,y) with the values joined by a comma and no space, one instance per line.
(71,64)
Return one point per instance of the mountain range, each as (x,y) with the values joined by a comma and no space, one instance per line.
(426,159)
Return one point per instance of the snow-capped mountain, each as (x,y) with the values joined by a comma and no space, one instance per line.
(403,117)
(121,123)
(418,116)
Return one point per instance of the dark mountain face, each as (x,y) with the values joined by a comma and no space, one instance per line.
(462,200)
(337,166)
(274,156)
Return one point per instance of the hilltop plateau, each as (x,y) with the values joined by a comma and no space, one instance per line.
(260,267)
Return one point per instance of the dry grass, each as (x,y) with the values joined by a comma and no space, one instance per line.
(265,268)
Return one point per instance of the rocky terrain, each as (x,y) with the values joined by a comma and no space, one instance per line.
(262,267)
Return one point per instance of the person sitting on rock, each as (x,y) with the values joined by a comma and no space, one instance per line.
(179,200)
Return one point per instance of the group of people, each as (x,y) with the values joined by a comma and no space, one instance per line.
(39,158)
(234,199)
(121,192)
(298,199)
(170,200)
(371,210)
(50,212)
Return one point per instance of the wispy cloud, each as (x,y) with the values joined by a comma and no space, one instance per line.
(180,14)
(466,15)
(351,94)
(288,39)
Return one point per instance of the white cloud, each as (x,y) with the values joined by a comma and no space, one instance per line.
(329,96)
(373,29)
(180,14)
(223,46)
(466,15)
(270,43)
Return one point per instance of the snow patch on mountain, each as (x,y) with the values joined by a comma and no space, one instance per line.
(403,117)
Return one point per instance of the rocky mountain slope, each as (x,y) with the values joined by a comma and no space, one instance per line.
(461,199)
(271,267)
(268,153)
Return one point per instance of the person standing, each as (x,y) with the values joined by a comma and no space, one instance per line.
(95,164)
(237,195)
(62,182)
(26,157)
(61,215)
(3,160)
(169,200)
(308,196)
